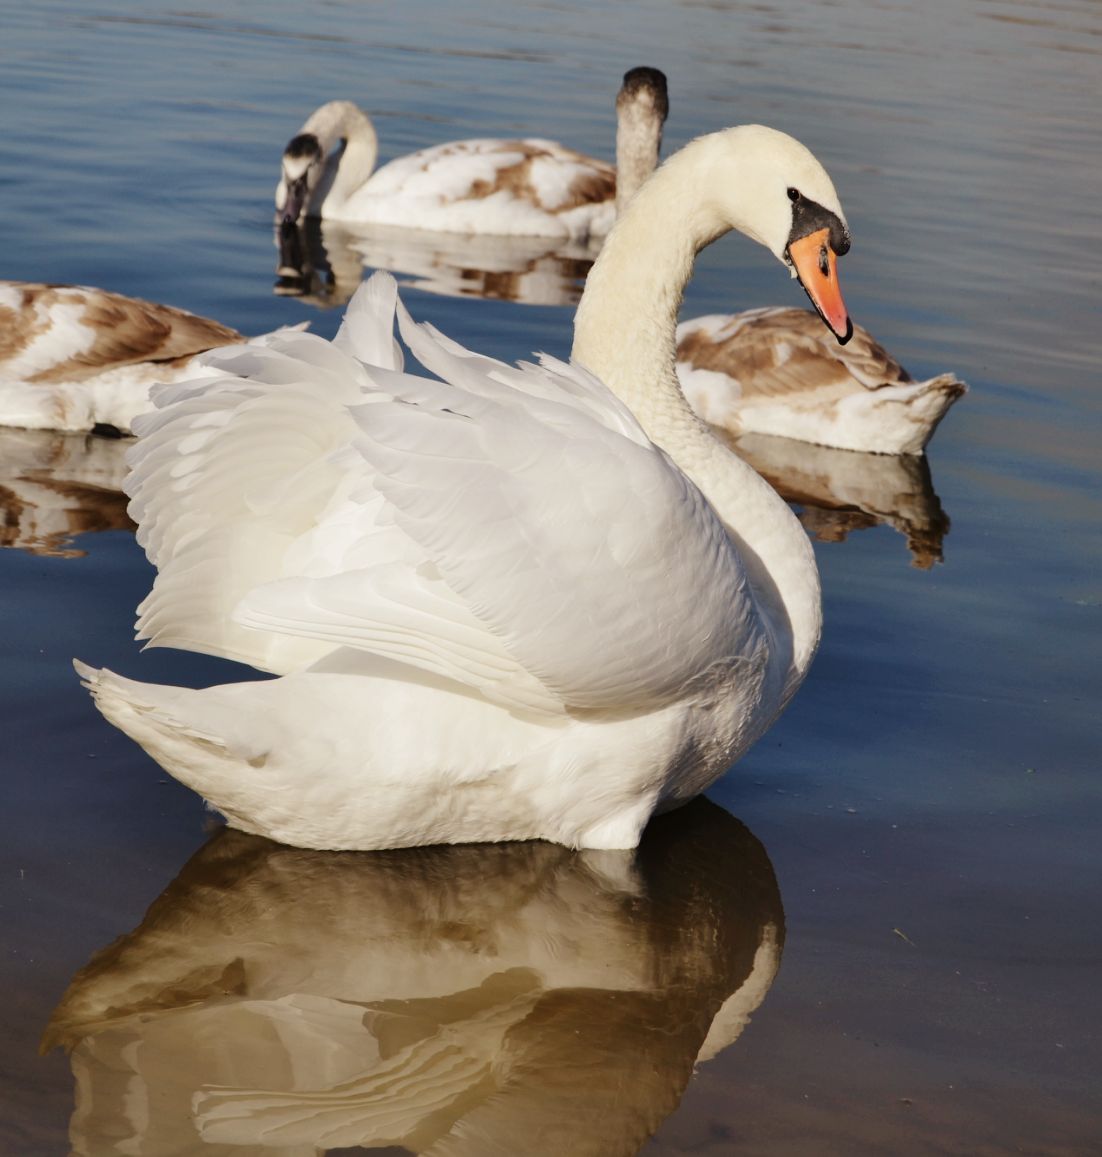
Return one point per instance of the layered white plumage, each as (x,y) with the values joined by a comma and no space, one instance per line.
(510,603)
(527,187)
(72,357)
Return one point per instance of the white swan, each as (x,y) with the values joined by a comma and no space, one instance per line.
(777,370)
(524,187)
(73,357)
(515,603)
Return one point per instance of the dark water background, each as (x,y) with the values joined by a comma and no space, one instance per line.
(931,800)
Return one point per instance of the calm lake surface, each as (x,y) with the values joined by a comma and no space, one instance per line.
(901,925)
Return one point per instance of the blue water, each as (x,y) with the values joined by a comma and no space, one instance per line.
(930,801)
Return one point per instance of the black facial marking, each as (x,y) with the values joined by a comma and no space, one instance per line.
(809,217)
(304,145)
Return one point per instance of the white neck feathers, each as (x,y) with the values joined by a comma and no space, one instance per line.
(624,332)
(350,146)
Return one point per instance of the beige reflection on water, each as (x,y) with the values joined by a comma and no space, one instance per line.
(839,491)
(54,486)
(512,998)
(323,262)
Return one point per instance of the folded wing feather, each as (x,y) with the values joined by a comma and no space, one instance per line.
(508,528)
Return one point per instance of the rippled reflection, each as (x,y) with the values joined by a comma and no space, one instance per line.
(837,491)
(513,998)
(54,486)
(323,262)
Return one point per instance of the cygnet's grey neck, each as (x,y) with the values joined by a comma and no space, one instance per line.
(641,109)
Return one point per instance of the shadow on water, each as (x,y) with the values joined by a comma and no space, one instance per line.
(504,998)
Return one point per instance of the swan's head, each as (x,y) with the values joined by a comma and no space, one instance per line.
(303,163)
(774,190)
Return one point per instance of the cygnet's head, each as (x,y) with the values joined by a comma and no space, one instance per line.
(642,105)
(303,162)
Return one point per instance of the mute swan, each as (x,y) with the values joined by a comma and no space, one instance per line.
(534,602)
(776,370)
(72,357)
(506,187)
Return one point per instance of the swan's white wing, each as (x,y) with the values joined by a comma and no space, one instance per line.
(227,476)
(480,527)
(595,561)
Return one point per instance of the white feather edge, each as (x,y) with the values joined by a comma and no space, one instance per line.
(261,500)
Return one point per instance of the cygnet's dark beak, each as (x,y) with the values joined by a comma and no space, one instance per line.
(295,204)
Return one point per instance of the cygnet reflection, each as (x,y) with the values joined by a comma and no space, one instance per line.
(324,262)
(839,491)
(472,1000)
(56,485)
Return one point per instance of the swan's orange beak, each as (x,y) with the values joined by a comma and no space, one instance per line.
(817,268)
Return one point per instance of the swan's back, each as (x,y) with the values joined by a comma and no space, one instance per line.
(779,371)
(506,187)
(507,528)
(55,333)
(72,357)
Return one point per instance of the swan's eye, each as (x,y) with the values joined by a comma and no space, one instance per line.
(824,264)
(793,195)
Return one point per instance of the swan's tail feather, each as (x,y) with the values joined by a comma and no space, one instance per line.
(190,733)
(138,708)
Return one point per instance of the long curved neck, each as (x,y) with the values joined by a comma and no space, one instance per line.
(351,149)
(638,143)
(624,332)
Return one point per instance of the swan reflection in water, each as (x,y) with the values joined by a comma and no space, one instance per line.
(324,262)
(56,485)
(452,1000)
(838,491)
